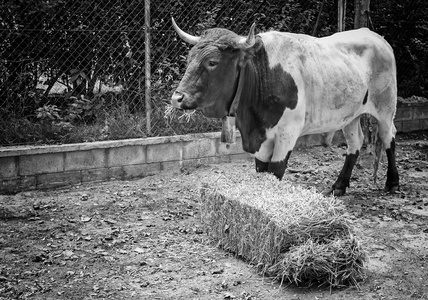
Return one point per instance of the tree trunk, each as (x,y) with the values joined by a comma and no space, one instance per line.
(362,9)
(93,81)
(318,18)
(51,83)
(368,123)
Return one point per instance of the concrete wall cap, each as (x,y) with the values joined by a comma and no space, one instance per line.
(31,150)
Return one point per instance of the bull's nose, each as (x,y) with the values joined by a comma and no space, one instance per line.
(177,97)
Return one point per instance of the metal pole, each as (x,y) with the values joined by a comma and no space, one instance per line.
(147,66)
(341,14)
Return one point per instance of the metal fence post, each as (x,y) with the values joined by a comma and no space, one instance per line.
(147,66)
(341,15)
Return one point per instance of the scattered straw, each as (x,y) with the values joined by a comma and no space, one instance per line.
(172,112)
(288,232)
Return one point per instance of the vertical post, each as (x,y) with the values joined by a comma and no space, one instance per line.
(147,66)
(341,14)
(318,18)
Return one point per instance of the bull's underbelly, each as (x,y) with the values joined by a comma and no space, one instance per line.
(327,119)
(332,123)
(287,128)
(294,124)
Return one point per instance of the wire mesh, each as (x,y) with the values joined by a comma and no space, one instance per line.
(73,71)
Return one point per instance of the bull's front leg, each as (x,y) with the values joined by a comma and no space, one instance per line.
(264,155)
(278,168)
(273,154)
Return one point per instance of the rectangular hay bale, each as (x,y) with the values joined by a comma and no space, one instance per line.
(288,232)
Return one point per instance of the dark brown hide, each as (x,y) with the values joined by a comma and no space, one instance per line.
(392,178)
(210,88)
(266,94)
(365,97)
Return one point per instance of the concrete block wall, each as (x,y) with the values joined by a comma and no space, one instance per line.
(38,167)
(411,116)
(31,167)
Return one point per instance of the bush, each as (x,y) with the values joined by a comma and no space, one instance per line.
(86,120)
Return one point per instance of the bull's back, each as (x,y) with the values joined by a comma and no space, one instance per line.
(334,73)
(370,51)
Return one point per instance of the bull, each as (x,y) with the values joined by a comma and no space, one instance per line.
(280,86)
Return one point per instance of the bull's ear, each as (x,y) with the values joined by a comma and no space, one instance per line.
(249,52)
(191,39)
(250,40)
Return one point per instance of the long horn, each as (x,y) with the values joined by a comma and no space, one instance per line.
(250,40)
(191,39)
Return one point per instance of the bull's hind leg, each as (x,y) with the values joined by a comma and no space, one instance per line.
(387,135)
(354,138)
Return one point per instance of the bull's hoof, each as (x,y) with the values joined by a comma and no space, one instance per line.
(392,189)
(328,192)
(334,192)
(339,192)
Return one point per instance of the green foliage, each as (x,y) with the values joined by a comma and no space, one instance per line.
(84,110)
(404,24)
(48,113)
(96,120)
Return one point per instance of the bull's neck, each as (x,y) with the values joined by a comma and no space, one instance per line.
(250,118)
(238,93)
(266,92)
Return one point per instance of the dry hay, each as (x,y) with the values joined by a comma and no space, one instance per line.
(288,232)
(171,113)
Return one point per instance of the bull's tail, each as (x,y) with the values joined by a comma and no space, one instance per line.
(378,153)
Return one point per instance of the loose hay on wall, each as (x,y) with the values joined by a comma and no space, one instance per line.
(288,232)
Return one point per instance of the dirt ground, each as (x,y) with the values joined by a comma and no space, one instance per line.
(143,239)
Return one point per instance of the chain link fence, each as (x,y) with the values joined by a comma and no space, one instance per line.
(76,71)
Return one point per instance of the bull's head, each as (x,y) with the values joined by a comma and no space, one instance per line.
(211,78)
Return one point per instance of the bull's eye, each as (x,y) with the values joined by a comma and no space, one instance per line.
(212,63)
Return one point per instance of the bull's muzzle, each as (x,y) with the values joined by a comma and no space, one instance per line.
(177,99)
